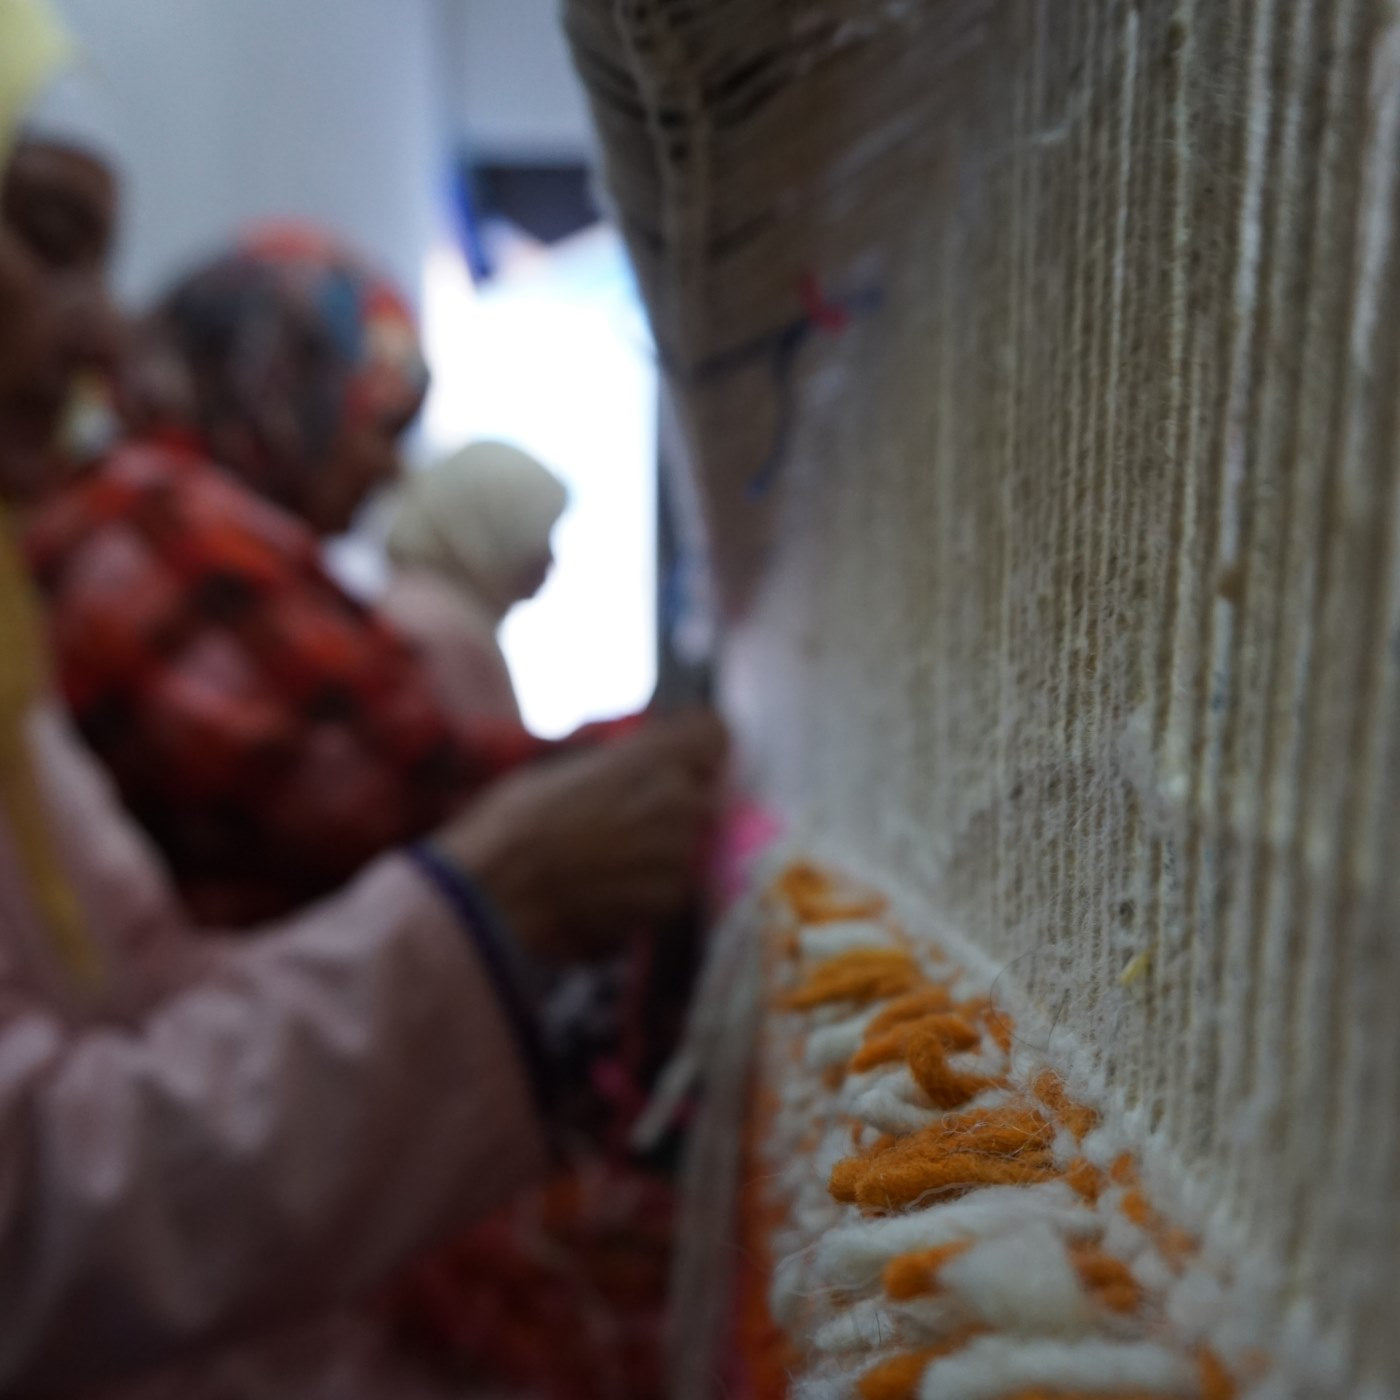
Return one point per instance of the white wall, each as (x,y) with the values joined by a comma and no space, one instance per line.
(513,92)
(341,111)
(556,357)
(237,110)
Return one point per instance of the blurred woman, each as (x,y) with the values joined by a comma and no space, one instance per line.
(305,369)
(469,539)
(211,1149)
(271,732)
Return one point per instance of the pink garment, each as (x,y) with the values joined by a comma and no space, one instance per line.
(747,832)
(204,1165)
(456,637)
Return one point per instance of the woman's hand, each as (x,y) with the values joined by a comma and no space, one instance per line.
(578,851)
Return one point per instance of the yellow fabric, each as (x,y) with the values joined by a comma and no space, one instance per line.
(32,46)
(22,673)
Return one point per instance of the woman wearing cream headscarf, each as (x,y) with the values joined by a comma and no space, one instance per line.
(210,1150)
(470,539)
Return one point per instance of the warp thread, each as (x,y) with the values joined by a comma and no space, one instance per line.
(780,348)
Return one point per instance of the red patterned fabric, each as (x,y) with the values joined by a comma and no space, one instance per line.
(270,732)
(560,1296)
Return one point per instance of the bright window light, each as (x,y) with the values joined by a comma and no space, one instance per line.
(554,356)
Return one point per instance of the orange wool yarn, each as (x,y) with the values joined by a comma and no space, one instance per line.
(1001,1028)
(945,1086)
(1175,1245)
(1085,1179)
(899,1377)
(817,897)
(1107,1280)
(1137,1209)
(916,1275)
(1122,1171)
(1008,1142)
(929,999)
(952,1032)
(1049,1088)
(1216,1382)
(862,975)
(901,1184)
(1012,1135)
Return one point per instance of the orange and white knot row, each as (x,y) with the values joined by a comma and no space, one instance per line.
(942,1220)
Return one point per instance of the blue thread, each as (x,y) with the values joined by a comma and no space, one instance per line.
(781,348)
(478,916)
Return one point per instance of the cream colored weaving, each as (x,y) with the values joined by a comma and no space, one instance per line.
(1038,365)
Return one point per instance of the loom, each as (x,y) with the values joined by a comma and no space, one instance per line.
(1033,367)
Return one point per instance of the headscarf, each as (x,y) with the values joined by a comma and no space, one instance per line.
(289,339)
(479,519)
(32,47)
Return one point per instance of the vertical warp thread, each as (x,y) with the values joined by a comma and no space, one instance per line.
(1079,590)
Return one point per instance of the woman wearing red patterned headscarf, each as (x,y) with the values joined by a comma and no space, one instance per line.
(306,370)
(271,732)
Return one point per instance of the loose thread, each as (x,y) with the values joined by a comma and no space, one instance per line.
(780,347)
